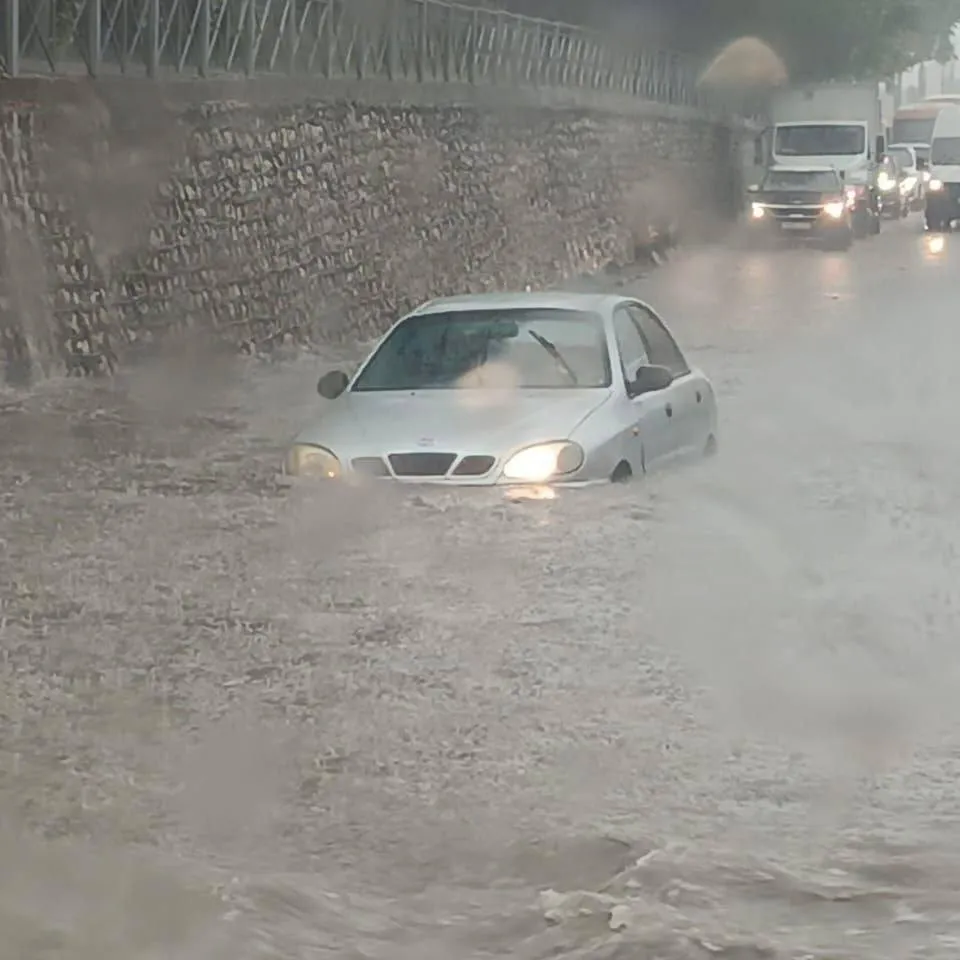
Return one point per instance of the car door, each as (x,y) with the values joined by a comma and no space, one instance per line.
(687,397)
(650,431)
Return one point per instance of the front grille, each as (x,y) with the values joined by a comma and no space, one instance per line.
(421,464)
(370,466)
(474,466)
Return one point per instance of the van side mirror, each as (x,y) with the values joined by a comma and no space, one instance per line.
(881,146)
(332,384)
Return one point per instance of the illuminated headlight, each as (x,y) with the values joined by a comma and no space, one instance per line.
(757,211)
(936,185)
(885,182)
(908,184)
(543,462)
(926,176)
(835,210)
(306,460)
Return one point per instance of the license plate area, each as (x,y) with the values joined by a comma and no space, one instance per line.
(797,225)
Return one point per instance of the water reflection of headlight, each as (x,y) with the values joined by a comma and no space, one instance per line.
(935,245)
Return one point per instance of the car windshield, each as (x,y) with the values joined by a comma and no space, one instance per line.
(820,140)
(902,156)
(945,151)
(483,349)
(820,181)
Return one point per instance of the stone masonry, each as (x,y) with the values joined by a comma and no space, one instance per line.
(304,220)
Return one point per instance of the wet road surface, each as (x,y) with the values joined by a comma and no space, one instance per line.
(710,714)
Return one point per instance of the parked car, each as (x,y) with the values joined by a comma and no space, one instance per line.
(523,388)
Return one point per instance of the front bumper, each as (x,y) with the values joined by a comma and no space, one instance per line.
(800,226)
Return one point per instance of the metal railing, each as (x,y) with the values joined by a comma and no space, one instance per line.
(412,40)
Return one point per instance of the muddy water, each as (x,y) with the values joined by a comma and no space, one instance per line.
(710,715)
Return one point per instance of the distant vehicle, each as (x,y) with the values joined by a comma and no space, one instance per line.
(942,207)
(914,172)
(890,180)
(806,202)
(512,389)
(838,125)
(913,124)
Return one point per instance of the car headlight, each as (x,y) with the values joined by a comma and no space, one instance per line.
(885,182)
(835,210)
(542,462)
(757,211)
(936,185)
(307,460)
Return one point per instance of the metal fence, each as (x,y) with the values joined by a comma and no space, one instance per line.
(414,40)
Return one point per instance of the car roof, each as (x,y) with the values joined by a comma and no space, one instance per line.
(536,300)
(806,168)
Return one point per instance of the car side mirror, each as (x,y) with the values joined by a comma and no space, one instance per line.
(332,384)
(753,188)
(650,379)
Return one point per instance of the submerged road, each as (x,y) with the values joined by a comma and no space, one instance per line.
(714,713)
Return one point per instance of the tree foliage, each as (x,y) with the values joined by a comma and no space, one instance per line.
(817,39)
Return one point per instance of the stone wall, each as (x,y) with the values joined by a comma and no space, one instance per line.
(303,220)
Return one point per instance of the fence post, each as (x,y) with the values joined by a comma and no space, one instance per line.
(249,38)
(94,42)
(290,36)
(11,52)
(422,43)
(392,26)
(203,28)
(153,38)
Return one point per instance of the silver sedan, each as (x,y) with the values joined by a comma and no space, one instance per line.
(526,388)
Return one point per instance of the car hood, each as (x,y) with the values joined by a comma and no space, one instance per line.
(467,421)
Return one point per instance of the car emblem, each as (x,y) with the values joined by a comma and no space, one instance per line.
(426,442)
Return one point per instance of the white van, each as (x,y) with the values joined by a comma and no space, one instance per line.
(943,190)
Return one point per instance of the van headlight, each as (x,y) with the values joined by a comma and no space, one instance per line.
(757,211)
(308,460)
(543,461)
(935,185)
(835,210)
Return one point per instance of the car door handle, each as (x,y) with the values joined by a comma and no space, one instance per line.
(699,397)
(669,409)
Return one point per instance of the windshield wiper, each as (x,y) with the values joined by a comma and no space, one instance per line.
(556,354)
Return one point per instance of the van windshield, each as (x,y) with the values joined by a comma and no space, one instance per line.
(945,151)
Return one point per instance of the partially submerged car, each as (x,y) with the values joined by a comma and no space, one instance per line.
(525,388)
(809,203)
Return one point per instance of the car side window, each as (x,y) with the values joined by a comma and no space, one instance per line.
(662,349)
(630,344)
